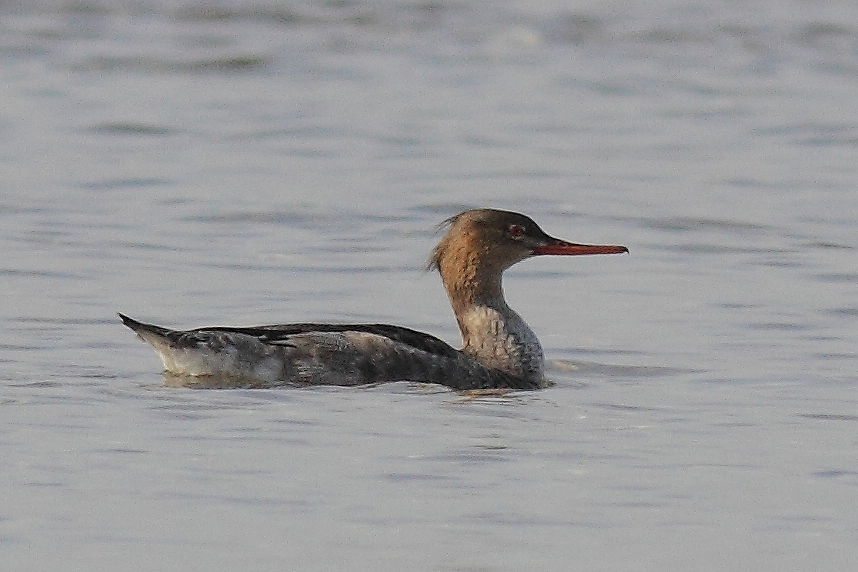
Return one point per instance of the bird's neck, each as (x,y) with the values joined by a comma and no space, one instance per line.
(492,333)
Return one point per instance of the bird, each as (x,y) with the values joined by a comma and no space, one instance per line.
(499,349)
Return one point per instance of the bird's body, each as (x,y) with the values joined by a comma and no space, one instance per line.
(499,351)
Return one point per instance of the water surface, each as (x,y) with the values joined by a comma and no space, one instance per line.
(241,162)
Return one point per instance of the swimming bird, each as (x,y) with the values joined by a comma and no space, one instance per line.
(499,349)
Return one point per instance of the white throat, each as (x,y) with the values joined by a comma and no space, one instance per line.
(500,339)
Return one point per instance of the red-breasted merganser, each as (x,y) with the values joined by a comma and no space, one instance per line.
(500,350)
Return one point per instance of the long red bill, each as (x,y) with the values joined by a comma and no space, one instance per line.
(561,247)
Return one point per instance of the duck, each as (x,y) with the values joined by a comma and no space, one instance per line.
(499,350)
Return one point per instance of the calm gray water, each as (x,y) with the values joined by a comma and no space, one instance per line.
(237,162)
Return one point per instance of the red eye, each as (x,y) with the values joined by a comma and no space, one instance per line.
(516,231)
